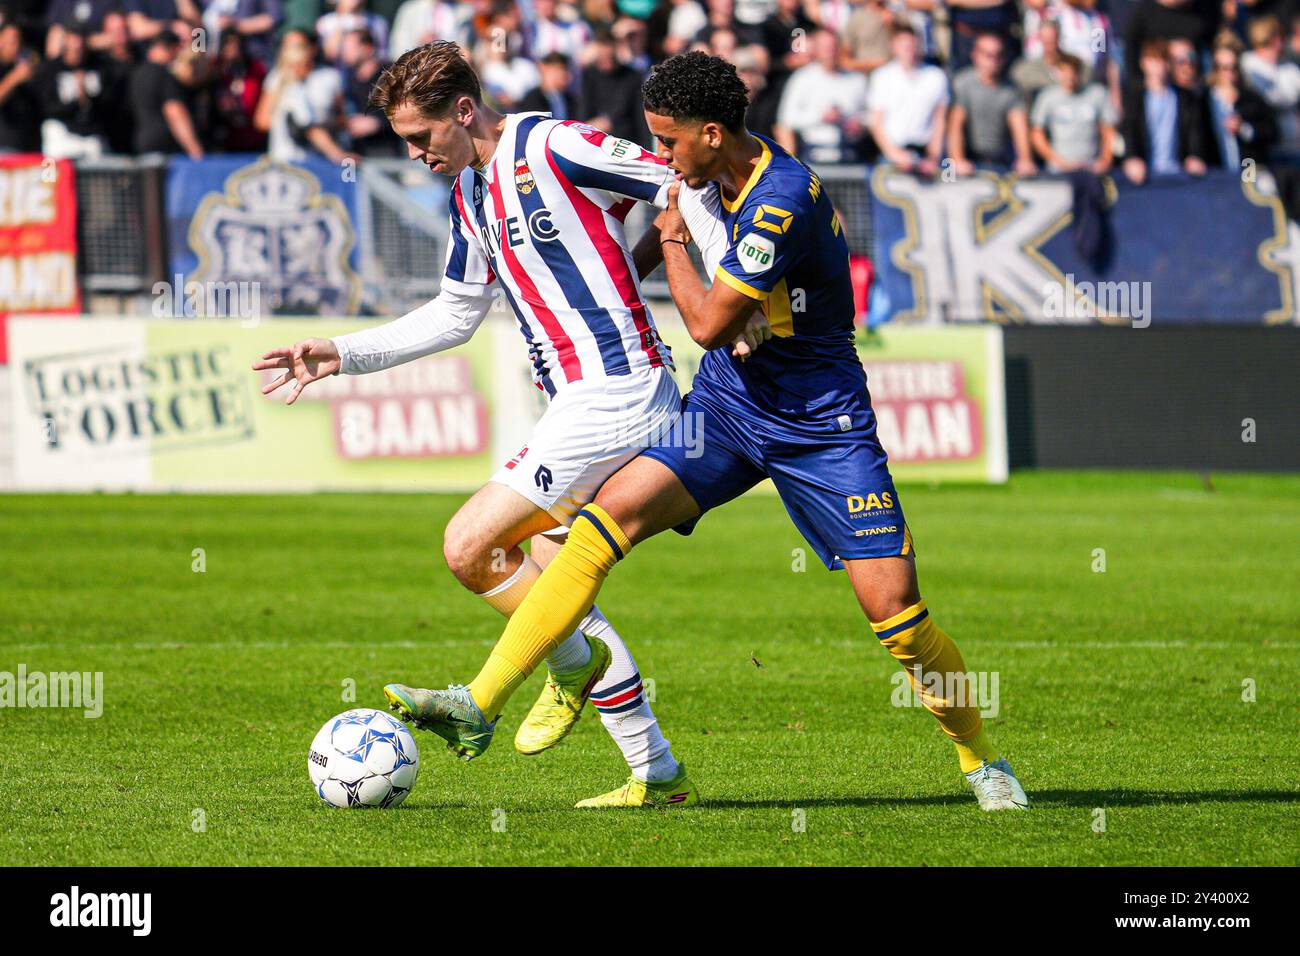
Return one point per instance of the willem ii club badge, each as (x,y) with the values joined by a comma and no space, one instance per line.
(524,181)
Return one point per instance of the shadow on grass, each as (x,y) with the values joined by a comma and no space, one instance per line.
(1038,798)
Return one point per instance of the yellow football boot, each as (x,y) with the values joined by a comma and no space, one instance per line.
(677,792)
(560,705)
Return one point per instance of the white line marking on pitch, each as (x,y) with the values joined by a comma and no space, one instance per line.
(420,645)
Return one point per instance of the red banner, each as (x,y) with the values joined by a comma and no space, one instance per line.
(924,411)
(38,239)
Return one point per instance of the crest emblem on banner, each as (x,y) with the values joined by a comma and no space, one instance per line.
(274,226)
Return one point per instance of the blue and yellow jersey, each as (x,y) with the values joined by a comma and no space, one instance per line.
(786,249)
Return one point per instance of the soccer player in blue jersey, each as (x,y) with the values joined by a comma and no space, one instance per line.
(796,410)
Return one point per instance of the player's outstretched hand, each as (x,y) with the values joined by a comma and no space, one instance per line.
(308,361)
(754,334)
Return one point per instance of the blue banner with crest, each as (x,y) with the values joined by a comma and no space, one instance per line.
(287,230)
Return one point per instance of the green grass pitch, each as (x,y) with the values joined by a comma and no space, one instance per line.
(1120,691)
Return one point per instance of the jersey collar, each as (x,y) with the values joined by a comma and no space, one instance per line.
(505,146)
(759,167)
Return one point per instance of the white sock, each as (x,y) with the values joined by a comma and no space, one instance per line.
(624,710)
(573,652)
(619,697)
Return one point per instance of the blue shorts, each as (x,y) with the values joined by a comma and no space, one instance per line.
(836,485)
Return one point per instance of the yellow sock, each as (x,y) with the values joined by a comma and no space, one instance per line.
(559,599)
(971,753)
(923,648)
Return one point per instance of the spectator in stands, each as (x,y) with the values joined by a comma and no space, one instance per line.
(218,18)
(906,103)
(553,33)
(1037,12)
(422,21)
(686,18)
(1082,30)
(832,15)
(866,36)
(749,18)
(197,74)
(1194,20)
(117,41)
(1276,80)
(1163,127)
(366,125)
(598,13)
(161,118)
(1033,74)
(1184,65)
(611,93)
(987,124)
(1072,126)
(1243,123)
(347,16)
(554,92)
(1119,12)
(722,43)
(919,14)
(1086,32)
(822,107)
(970,18)
(238,88)
(88,17)
(20,109)
(507,75)
(76,94)
(117,58)
(145,19)
(255,20)
(721,16)
(764,101)
(301,107)
(630,43)
(787,35)
(1292,53)
(478,21)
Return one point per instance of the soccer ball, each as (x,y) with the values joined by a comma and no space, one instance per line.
(363,758)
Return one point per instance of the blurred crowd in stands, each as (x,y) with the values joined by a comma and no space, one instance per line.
(1151,87)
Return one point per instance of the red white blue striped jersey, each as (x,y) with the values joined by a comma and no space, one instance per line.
(545,220)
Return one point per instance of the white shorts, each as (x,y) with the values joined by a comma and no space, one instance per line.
(591,430)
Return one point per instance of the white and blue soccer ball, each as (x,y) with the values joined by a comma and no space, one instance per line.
(363,758)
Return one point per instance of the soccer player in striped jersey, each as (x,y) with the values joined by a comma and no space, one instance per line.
(797,411)
(536,210)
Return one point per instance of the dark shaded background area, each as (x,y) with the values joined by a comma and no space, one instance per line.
(1171,397)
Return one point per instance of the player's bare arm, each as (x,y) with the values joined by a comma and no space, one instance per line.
(714,316)
(646,254)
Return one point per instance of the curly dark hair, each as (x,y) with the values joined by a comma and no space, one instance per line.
(699,87)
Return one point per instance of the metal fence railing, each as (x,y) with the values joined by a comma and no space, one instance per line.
(849,188)
(121,223)
(403,234)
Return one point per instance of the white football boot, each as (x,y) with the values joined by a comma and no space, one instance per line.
(996,787)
